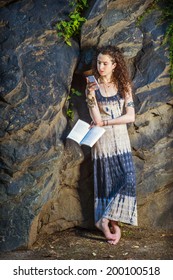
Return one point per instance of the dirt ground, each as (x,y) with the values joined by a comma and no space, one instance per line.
(81,244)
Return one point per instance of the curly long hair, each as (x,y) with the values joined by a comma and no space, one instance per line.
(120,75)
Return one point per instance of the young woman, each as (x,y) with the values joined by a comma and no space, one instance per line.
(111,105)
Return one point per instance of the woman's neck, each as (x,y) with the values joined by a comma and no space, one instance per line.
(106,79)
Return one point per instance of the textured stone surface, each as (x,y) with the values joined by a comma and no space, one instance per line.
(45,181)
(36,77)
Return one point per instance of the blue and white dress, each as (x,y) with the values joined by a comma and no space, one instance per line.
(114,172)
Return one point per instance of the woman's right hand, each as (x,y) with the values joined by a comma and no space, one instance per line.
(90,88)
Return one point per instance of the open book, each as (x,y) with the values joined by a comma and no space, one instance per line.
(84,135)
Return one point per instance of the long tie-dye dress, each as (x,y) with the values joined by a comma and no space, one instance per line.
(114,173)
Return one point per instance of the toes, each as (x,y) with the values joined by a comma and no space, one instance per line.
(113,242)
(110,241)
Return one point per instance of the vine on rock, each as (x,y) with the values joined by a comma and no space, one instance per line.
(71,27)
(70,110)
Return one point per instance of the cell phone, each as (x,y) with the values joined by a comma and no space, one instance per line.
(92,79)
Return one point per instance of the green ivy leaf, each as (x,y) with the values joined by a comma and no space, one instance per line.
(70,28)
(68,42)
(76,92)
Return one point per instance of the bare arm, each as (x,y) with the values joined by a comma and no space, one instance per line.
(128,117)
(92,103)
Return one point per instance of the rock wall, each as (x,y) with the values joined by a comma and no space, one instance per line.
(36,77)
(46,181)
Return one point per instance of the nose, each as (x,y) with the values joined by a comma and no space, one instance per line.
(101,66)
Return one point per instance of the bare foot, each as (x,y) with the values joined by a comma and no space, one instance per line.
(116,231)
(102,224)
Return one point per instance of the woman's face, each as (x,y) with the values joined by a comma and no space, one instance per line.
(105,65)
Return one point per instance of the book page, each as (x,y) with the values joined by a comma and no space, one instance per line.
(92,136)
(79,131)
